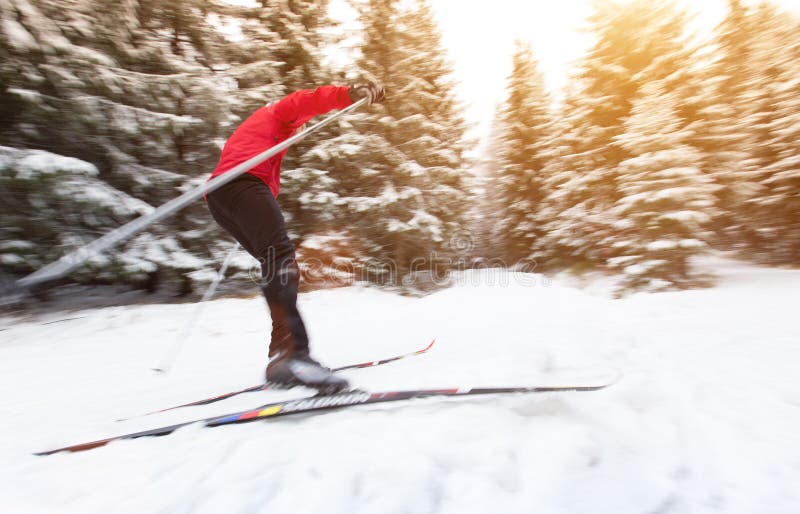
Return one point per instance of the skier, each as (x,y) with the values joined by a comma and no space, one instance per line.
(247,209)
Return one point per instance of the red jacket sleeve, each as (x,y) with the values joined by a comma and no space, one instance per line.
(299,107)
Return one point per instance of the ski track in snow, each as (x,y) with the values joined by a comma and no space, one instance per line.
(705,419)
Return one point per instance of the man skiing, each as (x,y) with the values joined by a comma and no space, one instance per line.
(246,207)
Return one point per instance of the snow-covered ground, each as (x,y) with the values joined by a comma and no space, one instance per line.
(706,416)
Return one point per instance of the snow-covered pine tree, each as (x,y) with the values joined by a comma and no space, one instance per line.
(665,199)
(303,32)
(744,126)
(573,224)
(407,174)
(51,200)
(336,190)
(728,144)
(482,217)
(377,206)
(521,145)
(636,42)
(127,87)
(299,26)
(431,129)
(282,51)
(249,61)
(772,214)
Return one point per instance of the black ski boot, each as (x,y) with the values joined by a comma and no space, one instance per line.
(290,369)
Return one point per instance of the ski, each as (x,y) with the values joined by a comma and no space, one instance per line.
(321,403)
(264,387)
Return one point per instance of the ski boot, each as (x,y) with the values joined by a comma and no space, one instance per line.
(290,369)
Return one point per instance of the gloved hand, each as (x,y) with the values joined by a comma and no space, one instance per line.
(373,92)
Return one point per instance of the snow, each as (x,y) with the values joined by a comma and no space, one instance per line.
(623,260)
(18,37)
(93,56)
(676,193)
(686,216)
(642,268)
(661,244)
(11,259)
(31,164)
(704,419)
(692,243)
(28,95)
(101,194)
(229,27)
(322,241)
(16,245)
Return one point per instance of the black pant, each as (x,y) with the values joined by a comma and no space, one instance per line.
(246,208)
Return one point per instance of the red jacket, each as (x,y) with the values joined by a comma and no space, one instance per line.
(275,123)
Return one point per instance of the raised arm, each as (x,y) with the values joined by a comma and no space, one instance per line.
(299,107)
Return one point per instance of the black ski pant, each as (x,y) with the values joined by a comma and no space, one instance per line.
(246,208)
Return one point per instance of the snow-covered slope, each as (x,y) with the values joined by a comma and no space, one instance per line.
(705,418)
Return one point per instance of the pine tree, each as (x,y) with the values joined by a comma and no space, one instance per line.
(430,129)
(251,63)
(745,131)
(297,25)
(300,28)
(47,200)
(521,147)
(397,167)
(665,199)
(637,43)
(722,134)
(126,86)
(770,213)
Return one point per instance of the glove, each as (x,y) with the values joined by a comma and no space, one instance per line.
(372,92)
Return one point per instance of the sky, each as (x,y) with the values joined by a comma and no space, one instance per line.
(479,39)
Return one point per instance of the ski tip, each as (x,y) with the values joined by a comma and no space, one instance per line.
(430,345)
(75,448)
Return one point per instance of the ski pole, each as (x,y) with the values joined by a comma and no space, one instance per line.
(172,354)
(74,259)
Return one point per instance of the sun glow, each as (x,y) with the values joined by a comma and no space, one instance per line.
(479,39)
